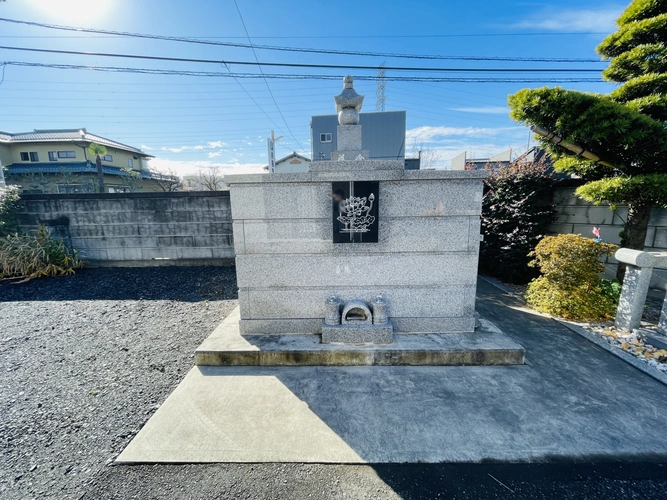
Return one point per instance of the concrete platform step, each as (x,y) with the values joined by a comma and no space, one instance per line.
(487,346)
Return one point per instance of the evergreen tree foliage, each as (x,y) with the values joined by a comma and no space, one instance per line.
(637,52)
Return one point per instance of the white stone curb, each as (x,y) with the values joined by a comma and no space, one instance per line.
(628,358)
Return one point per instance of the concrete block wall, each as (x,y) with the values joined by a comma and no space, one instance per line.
(137,228)
(579,217)
(424,264)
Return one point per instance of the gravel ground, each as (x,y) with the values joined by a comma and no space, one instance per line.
(85,360)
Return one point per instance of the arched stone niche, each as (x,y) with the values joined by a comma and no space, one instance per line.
(356,312)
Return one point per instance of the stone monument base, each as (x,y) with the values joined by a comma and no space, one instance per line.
(488,346)
(358,334)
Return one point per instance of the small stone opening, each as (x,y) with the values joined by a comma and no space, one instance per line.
(356,312)
(356,315)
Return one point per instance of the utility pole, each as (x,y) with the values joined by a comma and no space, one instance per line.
(271,151)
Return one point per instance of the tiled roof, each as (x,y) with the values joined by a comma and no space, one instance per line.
(292,155)
(74,167)
(66,135)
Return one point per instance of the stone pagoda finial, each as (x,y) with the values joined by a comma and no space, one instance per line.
(348,103)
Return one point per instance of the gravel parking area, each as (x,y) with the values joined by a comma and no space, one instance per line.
(86,359)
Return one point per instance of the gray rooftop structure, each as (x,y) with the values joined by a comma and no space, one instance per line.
(383,137)
(65,135)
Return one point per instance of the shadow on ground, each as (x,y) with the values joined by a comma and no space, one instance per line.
(186,284)
(608,481)
(526,481)
(572,401)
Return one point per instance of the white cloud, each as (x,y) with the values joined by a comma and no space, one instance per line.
(198,147)
(213,154)
(602,19)
(427,134)
(484,110)
(147,148)
(183,168)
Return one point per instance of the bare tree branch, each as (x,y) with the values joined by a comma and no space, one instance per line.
(210,180)
(167,179)
(428,157)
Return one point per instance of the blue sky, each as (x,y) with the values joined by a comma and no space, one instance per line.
(193,122)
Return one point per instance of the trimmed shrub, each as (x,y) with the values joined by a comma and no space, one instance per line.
(9,198)
(570,285)
(516,213)
(36,256)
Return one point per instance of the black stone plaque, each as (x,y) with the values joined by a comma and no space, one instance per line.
(355,211)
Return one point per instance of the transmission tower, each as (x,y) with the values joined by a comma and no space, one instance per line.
(381,85)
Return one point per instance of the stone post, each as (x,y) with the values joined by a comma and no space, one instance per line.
(633,297)
(662,324)
(380,316)
(635,285)
(332,311)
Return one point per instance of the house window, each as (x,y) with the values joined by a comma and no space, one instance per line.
(32,156)
(66,154)
(53,156)
(107,158)
(325,137)
(130,163)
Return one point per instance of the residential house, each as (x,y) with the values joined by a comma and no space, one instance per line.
(293,162)
(58,161)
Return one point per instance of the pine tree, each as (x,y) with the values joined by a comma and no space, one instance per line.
(624,130)
(638,58)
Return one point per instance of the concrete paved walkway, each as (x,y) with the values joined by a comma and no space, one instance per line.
(571,401)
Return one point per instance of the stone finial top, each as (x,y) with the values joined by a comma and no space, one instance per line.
(348,103)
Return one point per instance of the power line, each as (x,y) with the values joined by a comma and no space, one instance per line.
(325,37)
(264,78)
(337,37)
(302,65)
(295,49)
(158,84)
(288,76)
(251,97)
